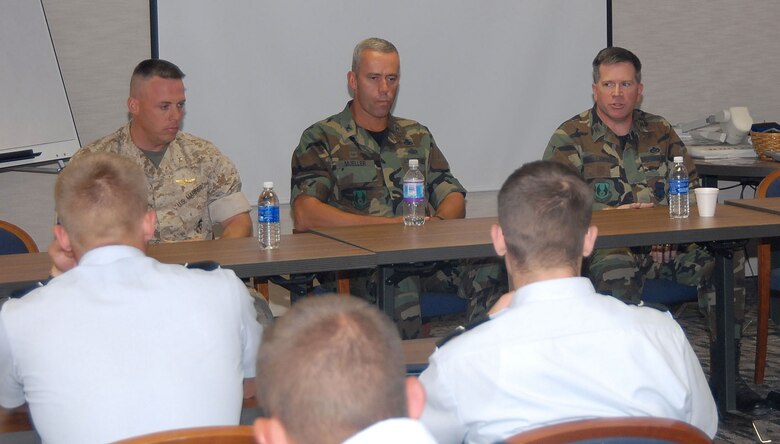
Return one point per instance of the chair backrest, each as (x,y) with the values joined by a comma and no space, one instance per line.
(200,435)
(14,240)
(607,430)
(769,186)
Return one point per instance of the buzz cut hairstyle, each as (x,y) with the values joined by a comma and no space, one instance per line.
(149,68)
(374,44)
(100,197)
(544,210)
(330,367)
(613,55)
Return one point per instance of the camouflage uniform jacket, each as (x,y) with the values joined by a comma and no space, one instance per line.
(340,164)
(636,173)
(194,185)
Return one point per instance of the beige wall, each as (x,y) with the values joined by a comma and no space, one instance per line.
(700,56)
(97,43)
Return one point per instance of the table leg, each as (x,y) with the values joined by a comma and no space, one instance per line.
(386,290)
(724,360)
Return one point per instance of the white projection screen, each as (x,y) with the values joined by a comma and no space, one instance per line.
(491,79)
(36,124)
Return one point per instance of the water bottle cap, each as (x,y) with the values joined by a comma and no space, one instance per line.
(268,184)
(678,159)
(413,163)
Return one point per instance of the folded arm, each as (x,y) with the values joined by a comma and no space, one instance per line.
(309,212)
(239,225)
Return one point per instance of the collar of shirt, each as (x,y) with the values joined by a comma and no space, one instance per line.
(601,131)
(551,290)
(109,253)
(362,138)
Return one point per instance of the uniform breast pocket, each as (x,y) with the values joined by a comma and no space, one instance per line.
(358,181)
(604,176)
(656,169)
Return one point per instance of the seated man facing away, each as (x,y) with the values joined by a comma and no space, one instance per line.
(119,344)
(331,370)
(558,351)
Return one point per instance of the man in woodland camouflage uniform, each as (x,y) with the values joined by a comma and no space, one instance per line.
(626,155)
(348,170)
(191,183)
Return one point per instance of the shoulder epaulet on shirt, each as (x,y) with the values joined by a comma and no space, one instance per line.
(203,265)
(657,306)
(459,330)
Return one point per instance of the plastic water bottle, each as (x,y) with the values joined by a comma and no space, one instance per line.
(678,190)
(269,232)
(414,195)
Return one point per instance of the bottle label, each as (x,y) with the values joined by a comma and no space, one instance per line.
(678,186)
(414,191)
(267,214)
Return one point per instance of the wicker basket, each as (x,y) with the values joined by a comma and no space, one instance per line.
(765,142)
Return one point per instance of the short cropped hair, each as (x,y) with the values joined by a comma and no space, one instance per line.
(330,367)
(154,68)
(373,43)
(100,197)
(544,210)
(613,55)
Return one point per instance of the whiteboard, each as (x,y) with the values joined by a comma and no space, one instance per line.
(490,79)
(36,124)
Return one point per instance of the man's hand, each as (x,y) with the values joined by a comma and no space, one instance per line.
(663,253)
(632,206)
(63,260)
(249,388)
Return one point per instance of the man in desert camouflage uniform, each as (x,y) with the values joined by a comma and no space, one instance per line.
(348,170)
(625,154)
(191,183)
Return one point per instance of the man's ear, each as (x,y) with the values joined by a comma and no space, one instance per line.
(149,223)
(415,397)
(132,105)
(62,238)
(270,431)
(499,243)
(590,240)
(352,81)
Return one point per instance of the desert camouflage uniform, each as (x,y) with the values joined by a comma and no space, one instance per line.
(342,165)
(194,185)
(634,170)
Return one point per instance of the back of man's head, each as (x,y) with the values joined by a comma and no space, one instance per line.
(544,210)
(330,367)
(99,198)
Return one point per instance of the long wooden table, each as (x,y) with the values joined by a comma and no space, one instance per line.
(416,353)
(394,244)
(299,253)
(766,204)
